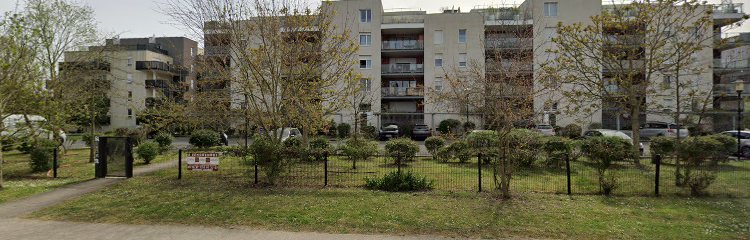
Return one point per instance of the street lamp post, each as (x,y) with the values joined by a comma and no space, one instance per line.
(467,102)
(739,87)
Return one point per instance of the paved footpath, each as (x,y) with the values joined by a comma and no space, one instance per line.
(13,227)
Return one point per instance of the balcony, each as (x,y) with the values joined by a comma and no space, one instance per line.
(403,69)
(402,92)
(159,66)
(85,65)
(158,83)
(508,43)
(727,89)
(400,19)
(403,45)
(725,14)
(730,67)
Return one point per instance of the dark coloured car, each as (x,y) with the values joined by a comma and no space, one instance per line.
(420,132)
(388,132)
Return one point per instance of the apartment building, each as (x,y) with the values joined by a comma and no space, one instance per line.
(143,72)
(404,56)
(732,66)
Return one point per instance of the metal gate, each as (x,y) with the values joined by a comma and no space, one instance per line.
(114,157)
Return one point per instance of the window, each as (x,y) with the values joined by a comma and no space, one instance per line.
(462,36)
(130,78)
(550,9)
(130,61)
(438,37)
(667,80)
(365,39)
(462,60)
(130,95)
(130,112)
(438,84)
(365,15)
(365,62)
(365,84)
(192,52)
(438,60)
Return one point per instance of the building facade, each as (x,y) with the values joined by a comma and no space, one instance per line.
(142,72)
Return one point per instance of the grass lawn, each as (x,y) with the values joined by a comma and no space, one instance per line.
(74,167)
(161,199)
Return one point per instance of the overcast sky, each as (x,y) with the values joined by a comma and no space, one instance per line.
(139,18)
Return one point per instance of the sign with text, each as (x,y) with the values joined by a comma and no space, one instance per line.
(206,161)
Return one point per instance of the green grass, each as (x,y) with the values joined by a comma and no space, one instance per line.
(231,202)
(21,182)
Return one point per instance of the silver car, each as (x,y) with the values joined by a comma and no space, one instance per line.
(661,129)
(611,133)
(545,129)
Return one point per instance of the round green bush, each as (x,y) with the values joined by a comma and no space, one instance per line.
(604,151)
(460,150)
(164,139)
(205,138)
(401,149)
(320,144)
(468,126)
(557,149)
(370,132)
(662,145)
(572,131)
(399,182)
(448,126)
(343,130)
(359,149)
(269,154)
(433,144)
(147,151)
(41,155)
(727,146)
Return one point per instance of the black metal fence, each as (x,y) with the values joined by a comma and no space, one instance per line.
(567,177)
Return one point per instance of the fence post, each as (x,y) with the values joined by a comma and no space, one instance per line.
(179,163)
(567,171)
(255,162)
(657,157)
(325,168)
(479,170)
(54,163)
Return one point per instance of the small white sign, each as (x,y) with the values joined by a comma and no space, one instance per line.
(203,161)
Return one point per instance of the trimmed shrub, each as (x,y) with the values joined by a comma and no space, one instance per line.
(448,126)
(433,145)
(523,145)
(398,182)
(595,125)
(148,151)
(205,138)
(319,145)
(26,146)
(469,126)
(572,131)
(164,140)
(401,149)
(557,149)
(41,155)
(459,150)
(484,142)
(727,146)
(270,157)
(696,152)
(662,145)
(356,149)
(603,152)
(343,130)
(370,132)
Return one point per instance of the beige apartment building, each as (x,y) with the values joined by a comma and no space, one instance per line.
(404,57)
(143,72)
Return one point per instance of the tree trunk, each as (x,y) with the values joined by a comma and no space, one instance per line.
(635,124)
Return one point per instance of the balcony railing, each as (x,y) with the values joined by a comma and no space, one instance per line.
(403,45)
(728,89)
(402,68)
(728,8)
(393,19)
(158,83)
(737,65)
(402,92)
(492,43)
(158,66)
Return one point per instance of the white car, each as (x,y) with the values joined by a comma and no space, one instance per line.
(20,127)
(287,133)
(610,133)
(547,130)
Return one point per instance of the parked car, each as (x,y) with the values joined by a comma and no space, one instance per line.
(19,126)
(661,129)
(744,141)
(387,132)
(420,132)
(546,129)
(611,133)
(287,133)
